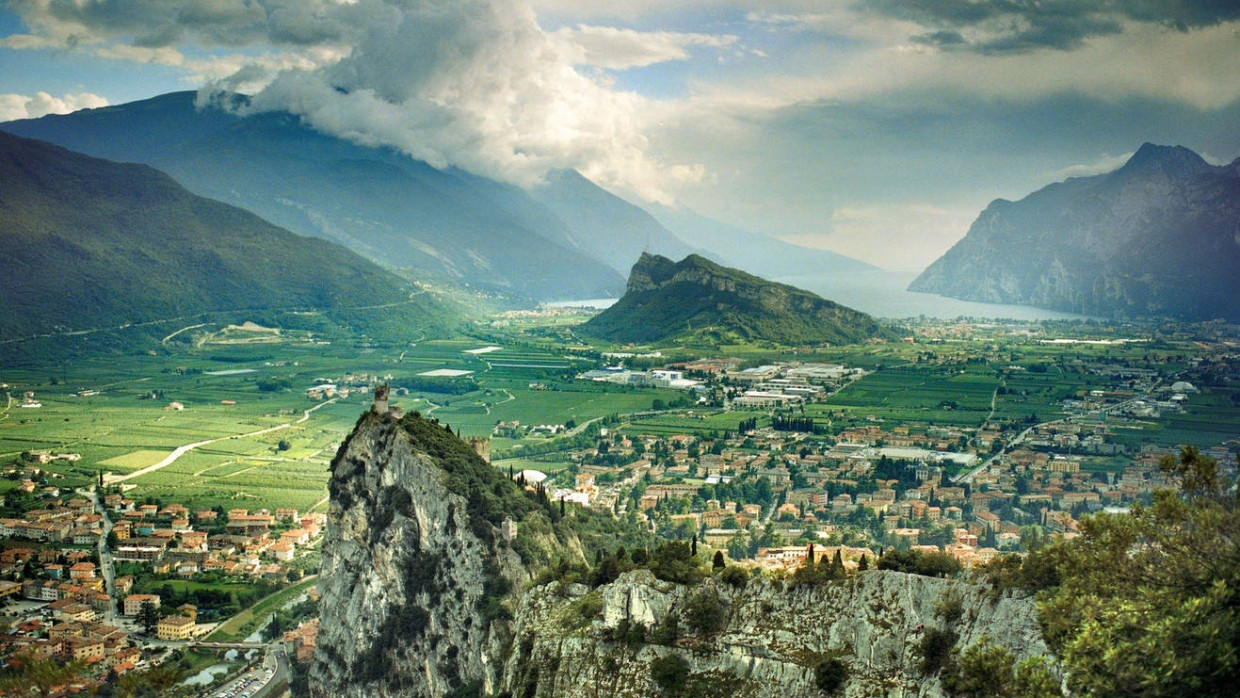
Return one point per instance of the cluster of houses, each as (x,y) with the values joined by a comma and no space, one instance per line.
(818,488)
(175,542)
(61,608)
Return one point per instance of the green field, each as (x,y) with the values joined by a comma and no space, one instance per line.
(530,379)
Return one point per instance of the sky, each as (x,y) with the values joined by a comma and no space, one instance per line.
(875,128)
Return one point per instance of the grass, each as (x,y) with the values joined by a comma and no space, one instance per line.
(245,623)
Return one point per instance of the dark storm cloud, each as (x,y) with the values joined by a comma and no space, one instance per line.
(1014,26)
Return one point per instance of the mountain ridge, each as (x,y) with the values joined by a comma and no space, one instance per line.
(397,211)
(86,242)
(1153,238)
(666,299)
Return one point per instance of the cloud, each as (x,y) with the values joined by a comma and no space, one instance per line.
(476,84)
(479,85)
(14,107)
(1012,26)
(1104,164)
(620,49)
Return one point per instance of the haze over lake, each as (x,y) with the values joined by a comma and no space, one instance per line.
(882,294)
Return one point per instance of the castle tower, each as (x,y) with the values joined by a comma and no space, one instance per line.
(381,399)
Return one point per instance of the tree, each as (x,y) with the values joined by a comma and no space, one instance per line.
(148,617)
(864,564)
(718,562)
(1147,603)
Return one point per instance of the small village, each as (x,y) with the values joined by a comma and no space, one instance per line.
(94,582)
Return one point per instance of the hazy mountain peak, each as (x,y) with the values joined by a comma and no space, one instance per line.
(1154,238)
(1171,160)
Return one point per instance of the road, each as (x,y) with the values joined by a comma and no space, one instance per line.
(105,558)
(182,450)
(968,477)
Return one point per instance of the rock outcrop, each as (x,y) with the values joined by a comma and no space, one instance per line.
(573,642)
(418,564)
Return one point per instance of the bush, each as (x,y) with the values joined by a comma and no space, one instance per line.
(913,562)
(830,674)
(734,576)
(671,673)
(675,562)
(704,612)
(950,607)
(934,649)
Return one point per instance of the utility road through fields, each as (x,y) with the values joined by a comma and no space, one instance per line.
(182,450)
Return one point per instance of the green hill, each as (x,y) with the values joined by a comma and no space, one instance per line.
(88,243)
(666,300)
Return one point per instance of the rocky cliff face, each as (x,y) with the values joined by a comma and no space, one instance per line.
(576,643)
(1157,237)
(417,568)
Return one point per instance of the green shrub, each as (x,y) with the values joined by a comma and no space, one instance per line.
(934,648)
(671,673)
(675,562)
(704,612)
(734,576)
(950,607)
(830,674)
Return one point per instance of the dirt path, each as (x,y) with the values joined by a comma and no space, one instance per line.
(182,450)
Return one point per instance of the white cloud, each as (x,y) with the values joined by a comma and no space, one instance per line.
(475,84)
(620,49)
(13,107)
(1105,163)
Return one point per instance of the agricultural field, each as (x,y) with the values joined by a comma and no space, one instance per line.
(236,412)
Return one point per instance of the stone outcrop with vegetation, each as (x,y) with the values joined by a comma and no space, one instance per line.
(666,300)
(417,574)
(861,636)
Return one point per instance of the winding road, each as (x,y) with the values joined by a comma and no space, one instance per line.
(182,450)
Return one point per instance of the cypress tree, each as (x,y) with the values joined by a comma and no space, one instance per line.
(718,563)
(864,564)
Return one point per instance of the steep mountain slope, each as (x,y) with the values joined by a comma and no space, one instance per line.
(1157,237)
(388,207)
(88,243)
(666,299)
(607,227)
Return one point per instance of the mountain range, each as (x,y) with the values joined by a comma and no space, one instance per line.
(88,243)
(1158,237)
(665,300)
(566,238)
